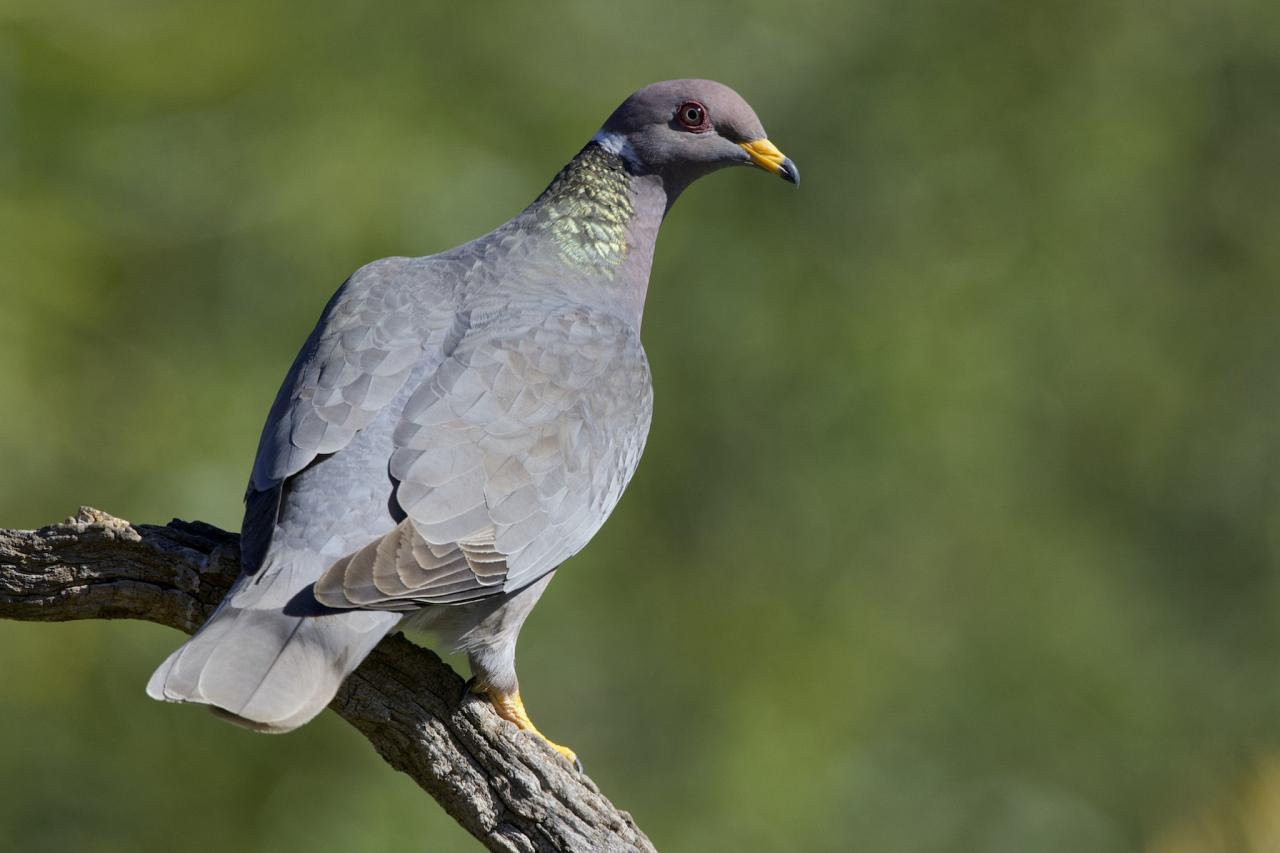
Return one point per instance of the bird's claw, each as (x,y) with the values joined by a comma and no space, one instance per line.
(510,707)
(564,751)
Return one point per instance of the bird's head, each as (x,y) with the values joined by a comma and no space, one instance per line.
(683,129)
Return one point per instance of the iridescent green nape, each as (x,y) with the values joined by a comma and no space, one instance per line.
(587,208)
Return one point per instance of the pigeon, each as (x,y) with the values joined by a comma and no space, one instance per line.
(456,427)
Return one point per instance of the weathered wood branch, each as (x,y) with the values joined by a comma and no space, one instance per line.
(508,789)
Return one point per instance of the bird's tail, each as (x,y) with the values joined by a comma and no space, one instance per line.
(269,658)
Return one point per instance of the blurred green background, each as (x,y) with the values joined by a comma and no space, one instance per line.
(959,524)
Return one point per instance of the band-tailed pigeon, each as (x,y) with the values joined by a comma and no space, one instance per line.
(457,426)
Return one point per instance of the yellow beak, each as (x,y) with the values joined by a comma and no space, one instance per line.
(766,155)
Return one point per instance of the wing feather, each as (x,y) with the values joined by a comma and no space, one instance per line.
(508,459)
(390,318)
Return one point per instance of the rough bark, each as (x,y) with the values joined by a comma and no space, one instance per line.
(508,789)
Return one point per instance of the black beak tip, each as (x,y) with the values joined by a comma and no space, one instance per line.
(790,172)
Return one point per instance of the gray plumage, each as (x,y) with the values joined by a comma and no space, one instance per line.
(457,426)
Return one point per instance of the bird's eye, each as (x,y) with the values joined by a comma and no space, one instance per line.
(692,115)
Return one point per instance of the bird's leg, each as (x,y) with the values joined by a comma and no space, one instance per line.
(510,707)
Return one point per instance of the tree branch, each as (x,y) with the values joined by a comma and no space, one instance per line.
(509,790)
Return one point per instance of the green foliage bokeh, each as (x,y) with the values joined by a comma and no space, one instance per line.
(958,524)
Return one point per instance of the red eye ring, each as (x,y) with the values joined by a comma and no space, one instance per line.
(693,116)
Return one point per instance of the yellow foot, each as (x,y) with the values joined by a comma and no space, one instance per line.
(510,707)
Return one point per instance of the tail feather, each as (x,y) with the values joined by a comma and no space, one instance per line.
(258,665)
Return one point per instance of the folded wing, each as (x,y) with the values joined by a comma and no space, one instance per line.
(508,459)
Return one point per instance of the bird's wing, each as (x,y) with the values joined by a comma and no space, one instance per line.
(509,458)
(384,320)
